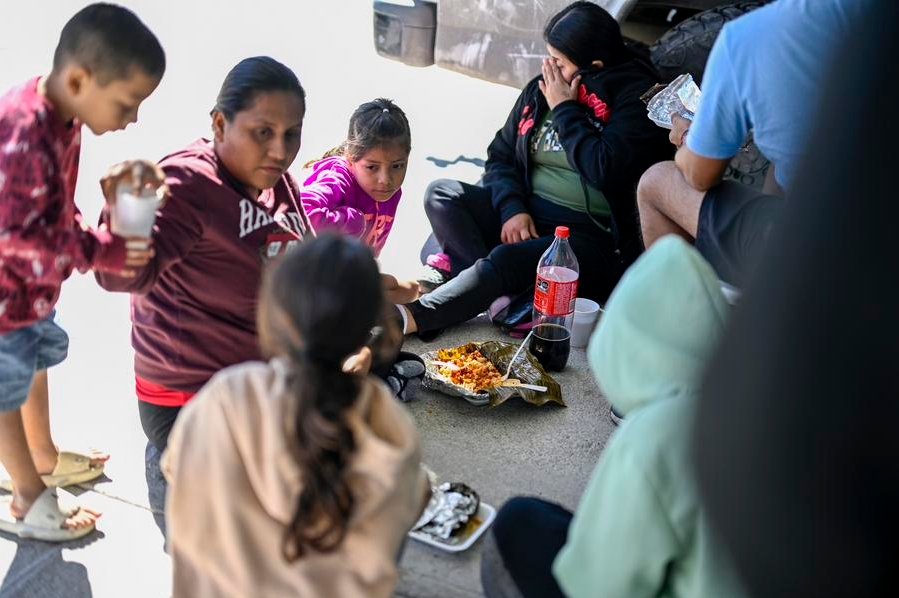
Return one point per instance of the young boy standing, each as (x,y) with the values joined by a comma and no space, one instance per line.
(106,63)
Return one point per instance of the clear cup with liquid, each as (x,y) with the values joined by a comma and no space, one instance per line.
(133,215)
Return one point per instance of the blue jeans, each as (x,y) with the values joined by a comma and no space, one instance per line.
(157,422)
(156,485)
(25,351)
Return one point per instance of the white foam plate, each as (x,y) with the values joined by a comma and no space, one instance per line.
(485,513)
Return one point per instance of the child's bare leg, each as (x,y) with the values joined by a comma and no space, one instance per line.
(409,322)
(35,417)
(27,484)
(16,458)
(399,292)
(406,291)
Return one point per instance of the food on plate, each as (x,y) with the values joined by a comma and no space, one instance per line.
(474,371)
(451,508)
(467,367)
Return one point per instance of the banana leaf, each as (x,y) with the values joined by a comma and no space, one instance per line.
(526,369)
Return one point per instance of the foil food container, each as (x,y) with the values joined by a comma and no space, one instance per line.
(526,369)
(680,97)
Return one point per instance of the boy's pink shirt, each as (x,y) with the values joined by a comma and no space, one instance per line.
(333,199)
(42,237)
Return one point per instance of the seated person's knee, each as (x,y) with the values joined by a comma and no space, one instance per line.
(653,182)
(517,513)
(438,192)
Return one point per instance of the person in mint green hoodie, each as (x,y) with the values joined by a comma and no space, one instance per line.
(639,529)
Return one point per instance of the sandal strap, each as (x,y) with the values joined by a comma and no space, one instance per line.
(45,511)
(69,462)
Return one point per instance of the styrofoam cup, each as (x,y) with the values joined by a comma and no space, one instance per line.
(134,215)
(586,314)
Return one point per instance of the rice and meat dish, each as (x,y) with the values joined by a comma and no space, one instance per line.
(470,369)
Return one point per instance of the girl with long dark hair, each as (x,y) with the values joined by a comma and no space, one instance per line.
(293,477)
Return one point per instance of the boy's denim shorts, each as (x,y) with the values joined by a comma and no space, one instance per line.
(25,351)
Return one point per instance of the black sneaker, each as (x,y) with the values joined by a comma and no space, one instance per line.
(437,270)
(616,417)
(405,376)
(431,278)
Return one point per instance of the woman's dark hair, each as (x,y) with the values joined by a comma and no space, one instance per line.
(373,124)
(317,306)
(250,77)
(584,32)
(376,123)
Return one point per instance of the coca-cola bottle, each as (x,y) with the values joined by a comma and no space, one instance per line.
(554,294)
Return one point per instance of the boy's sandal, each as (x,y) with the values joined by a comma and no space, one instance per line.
(44,520)
(71,468)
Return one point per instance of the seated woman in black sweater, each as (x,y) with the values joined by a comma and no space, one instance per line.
(571,153)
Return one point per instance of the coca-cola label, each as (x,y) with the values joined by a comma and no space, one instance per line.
(554,298)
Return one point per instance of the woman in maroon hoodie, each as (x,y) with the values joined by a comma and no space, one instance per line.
(232,206)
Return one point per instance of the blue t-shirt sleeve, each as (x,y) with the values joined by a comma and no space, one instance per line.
(721,122)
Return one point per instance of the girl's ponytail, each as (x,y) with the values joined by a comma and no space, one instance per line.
(322,446)
(317,307)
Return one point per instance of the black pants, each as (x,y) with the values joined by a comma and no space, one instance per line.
(464,222)
(529,533)
(735,222)
(468,229)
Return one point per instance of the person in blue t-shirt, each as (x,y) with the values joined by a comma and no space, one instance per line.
(763,76)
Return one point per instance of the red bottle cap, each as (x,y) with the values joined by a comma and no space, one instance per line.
(562,231)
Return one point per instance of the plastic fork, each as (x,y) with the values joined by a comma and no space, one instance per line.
(515,356)
(519,384)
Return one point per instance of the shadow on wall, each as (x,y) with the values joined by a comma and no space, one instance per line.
(38,570)
(442,163)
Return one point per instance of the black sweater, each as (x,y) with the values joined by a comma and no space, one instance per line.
(607,136)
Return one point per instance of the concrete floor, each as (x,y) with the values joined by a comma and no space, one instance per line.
(514,449)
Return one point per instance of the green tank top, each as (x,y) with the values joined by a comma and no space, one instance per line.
(552,177)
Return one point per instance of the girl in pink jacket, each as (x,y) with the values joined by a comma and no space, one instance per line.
(355,188)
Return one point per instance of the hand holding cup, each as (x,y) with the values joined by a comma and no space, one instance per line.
(140,175)
(134,190)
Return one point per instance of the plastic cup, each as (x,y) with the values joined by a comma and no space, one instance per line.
(586,314)
(550,344)
(134,215)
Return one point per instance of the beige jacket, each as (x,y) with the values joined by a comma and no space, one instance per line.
(233,487)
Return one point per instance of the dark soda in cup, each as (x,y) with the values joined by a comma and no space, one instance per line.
(550,344)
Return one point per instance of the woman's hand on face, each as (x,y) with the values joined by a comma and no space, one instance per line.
(140,174)
(519,227)
(554,87)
